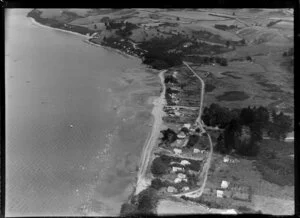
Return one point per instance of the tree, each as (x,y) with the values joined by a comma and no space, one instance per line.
(193,139)
(95,26)
(128,210)
(282,125)
(157,184)
(247,116)
(159,167)
(243,42)
(169,136)
(220,145)
(185,130)
(177,18)
(227,44)
(223,62)
(231,135)
(147,201)
(248,58)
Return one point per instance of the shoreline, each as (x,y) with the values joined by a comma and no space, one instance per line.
(53,28)
(86,37)
(157,113)
(109,48)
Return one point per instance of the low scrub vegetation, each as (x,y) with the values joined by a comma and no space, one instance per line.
(233,96)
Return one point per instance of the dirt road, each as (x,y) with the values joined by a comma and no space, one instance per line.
(198,192)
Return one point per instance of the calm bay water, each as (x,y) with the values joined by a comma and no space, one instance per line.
(63,154)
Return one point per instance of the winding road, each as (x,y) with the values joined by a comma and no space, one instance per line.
(198,192)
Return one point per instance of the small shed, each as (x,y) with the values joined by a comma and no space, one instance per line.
(220,193)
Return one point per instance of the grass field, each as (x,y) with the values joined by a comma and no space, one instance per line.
(275,163)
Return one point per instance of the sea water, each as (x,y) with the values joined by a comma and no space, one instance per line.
(74,130)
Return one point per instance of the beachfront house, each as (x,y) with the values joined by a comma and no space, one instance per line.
(185,162)
(175,169)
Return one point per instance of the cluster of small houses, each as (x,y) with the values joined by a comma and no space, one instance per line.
(180,177)
(182,141)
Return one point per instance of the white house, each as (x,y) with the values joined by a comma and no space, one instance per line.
(220,193)
(181,135)
(224,184)
(181,176)
(175,169)
(226,159)
(185,188)
(185,162)
(177,180)
(177,151)
(175,74)
(196,150)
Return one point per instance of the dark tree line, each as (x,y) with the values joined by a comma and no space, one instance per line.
(244,128)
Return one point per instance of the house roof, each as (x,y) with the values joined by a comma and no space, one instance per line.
(290,135)
(181,175)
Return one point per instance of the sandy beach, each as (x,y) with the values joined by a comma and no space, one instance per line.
(52,28)
(157,112)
